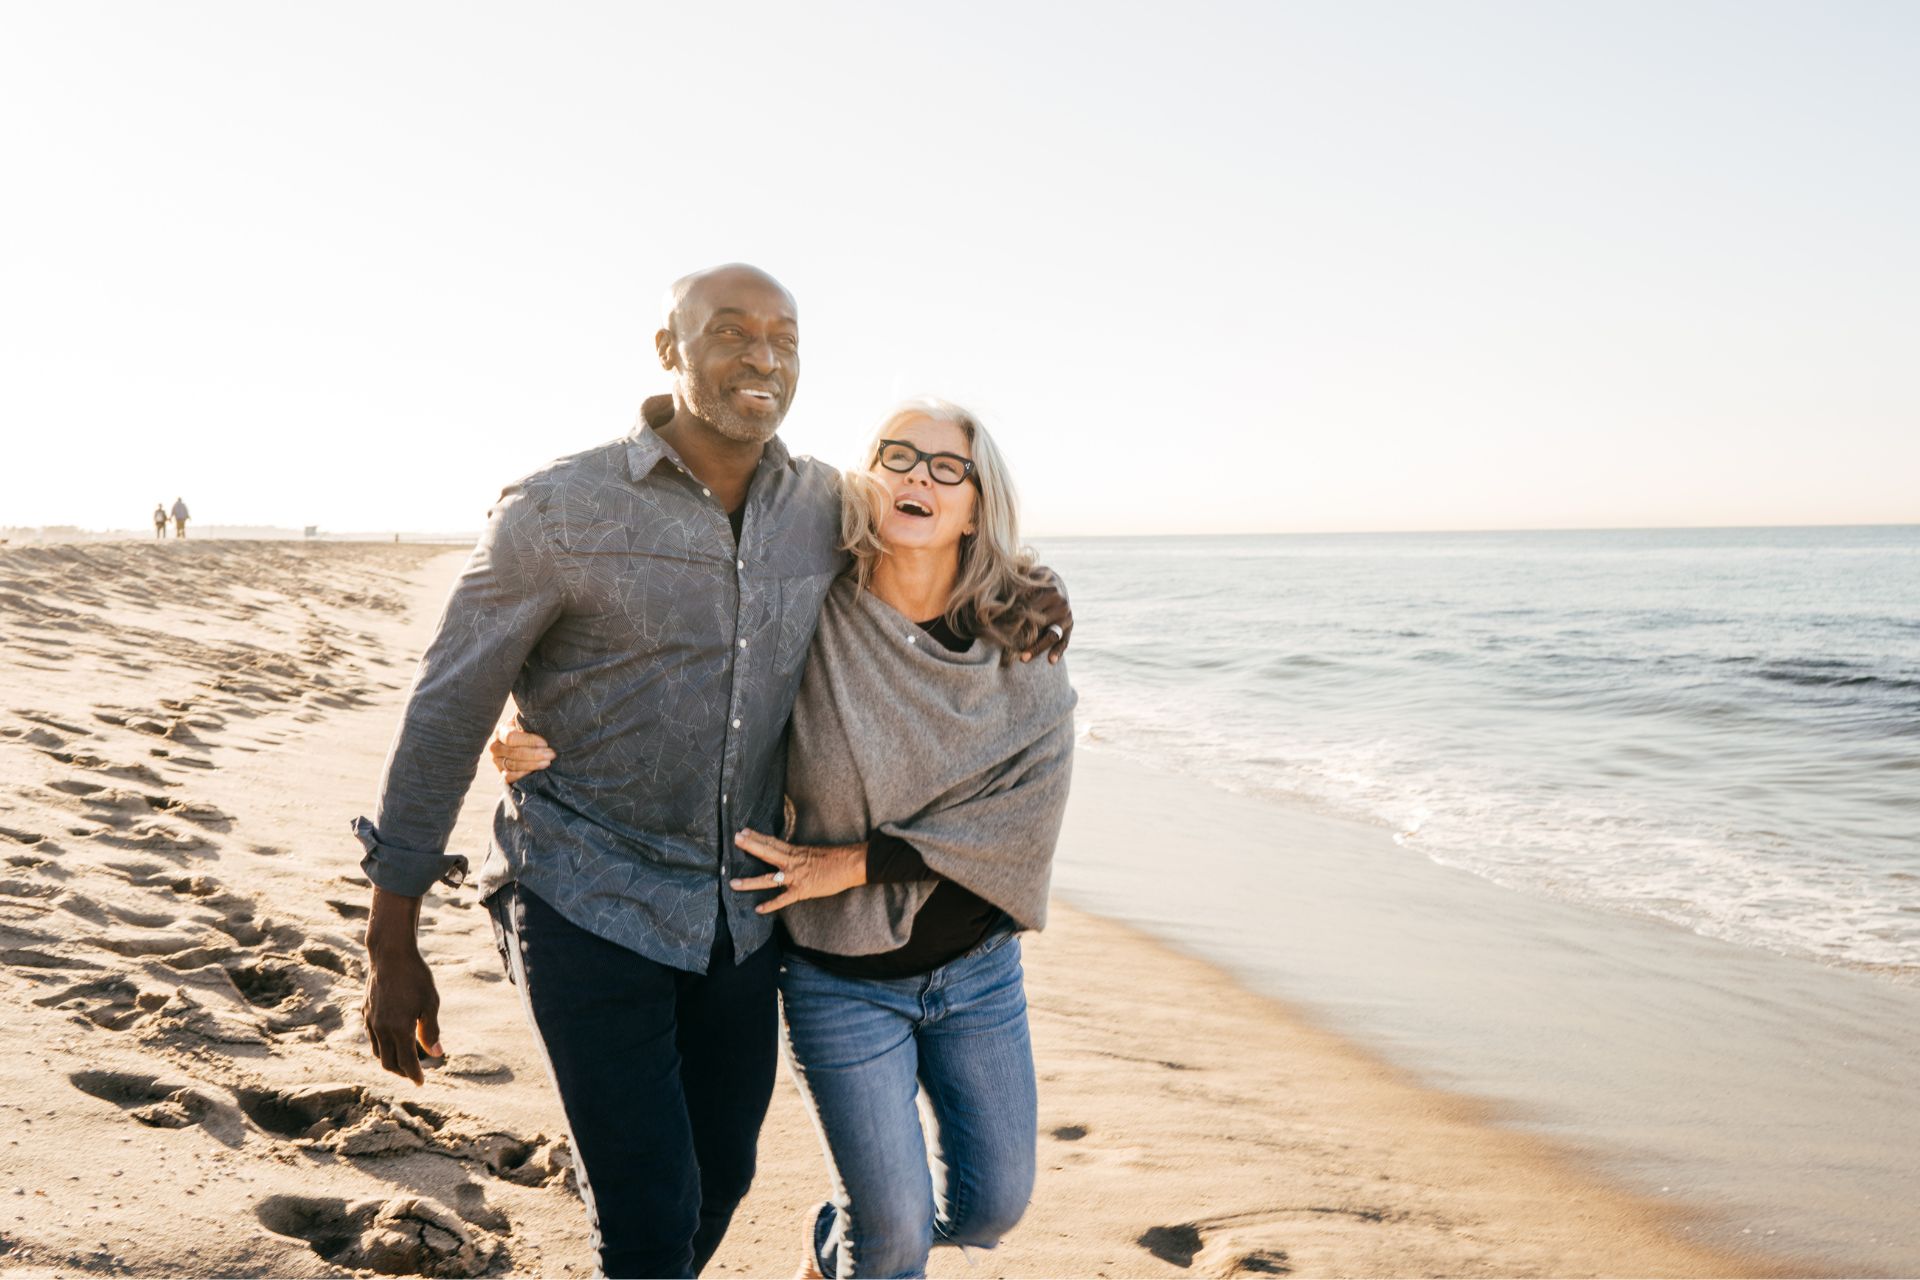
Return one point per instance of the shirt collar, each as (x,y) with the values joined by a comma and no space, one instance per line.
(646,450)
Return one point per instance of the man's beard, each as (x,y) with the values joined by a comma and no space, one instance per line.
(714,406)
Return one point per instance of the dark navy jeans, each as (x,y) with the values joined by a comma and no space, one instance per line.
(664,1076)
(871,1056)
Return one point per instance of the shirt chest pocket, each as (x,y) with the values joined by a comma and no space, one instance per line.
(800,599)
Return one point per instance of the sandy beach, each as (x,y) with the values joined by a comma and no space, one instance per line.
(186,729)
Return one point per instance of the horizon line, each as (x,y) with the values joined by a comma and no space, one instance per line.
(297,534)
(1582,528)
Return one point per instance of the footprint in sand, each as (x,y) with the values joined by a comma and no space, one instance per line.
(78,759)
(1184,1244)
(36,952)
(470,1202)
(49,721)
(29,958)
(232,979)
(166,1103)
(412,1235)
(140,874)
(144,919)
(151,837)
(201,1003)
(1178,1244)
(145,935)
(290,991)
(196,886)
(115,1003)
(30,889)
(1076,1152)
(97,798)
(35,737)
(100,764)
(478,1066)
(353,1121)
(322,957)
(193,811)
(294,996)
(31,839)
(138,721)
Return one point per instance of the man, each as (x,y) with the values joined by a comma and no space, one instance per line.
(649,604)
(159,521)
(179,518)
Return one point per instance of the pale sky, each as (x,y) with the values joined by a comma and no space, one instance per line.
(1202,267)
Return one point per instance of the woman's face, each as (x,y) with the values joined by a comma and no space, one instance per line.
(921,512)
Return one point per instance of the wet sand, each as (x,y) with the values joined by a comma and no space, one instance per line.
(1771,1097)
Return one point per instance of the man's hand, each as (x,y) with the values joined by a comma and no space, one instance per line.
(402,1008)
(802,870)
(1056,623)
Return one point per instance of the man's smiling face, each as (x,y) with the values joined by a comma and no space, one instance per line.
(733,342)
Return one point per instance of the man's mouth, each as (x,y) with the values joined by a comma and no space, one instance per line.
(912,506)
(758,396)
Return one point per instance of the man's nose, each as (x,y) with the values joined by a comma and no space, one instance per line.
(761,357)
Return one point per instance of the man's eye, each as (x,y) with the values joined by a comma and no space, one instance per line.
(788,340)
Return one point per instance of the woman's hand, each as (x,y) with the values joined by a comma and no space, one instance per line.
(517,753)
(802,870)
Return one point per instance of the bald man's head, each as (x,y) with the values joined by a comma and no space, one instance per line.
(731,338)
(690,291)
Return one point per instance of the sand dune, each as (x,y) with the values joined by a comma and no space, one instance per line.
(185,729)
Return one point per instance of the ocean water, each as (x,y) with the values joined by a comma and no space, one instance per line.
(1717,728)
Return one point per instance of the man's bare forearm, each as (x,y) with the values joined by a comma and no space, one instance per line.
(392,925)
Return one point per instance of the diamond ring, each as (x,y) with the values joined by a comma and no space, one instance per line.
(779,877)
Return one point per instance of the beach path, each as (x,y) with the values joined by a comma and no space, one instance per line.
(185,731)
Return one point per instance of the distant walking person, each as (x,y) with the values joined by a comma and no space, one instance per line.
(159,521)
(180,517)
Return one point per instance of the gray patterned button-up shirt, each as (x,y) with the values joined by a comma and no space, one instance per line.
(660,660)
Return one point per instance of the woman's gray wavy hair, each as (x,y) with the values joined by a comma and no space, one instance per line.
(997,577)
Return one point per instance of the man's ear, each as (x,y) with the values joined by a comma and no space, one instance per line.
(663,344)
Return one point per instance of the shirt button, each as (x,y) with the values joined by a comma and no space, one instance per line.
(707,492)
(909,639)
(743,644)
(736,724)
(739,564)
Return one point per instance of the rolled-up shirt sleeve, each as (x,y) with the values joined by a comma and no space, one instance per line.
(507,596)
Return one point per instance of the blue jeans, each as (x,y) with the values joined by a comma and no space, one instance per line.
(872,1057)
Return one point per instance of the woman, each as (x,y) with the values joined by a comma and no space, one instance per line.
(927,776)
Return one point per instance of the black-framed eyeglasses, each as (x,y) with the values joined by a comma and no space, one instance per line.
(945,468)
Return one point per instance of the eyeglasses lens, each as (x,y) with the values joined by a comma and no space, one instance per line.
(947,469)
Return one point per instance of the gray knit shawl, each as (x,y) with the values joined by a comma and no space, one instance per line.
(963,757)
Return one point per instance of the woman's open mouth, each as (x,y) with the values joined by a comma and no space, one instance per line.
(912,506)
